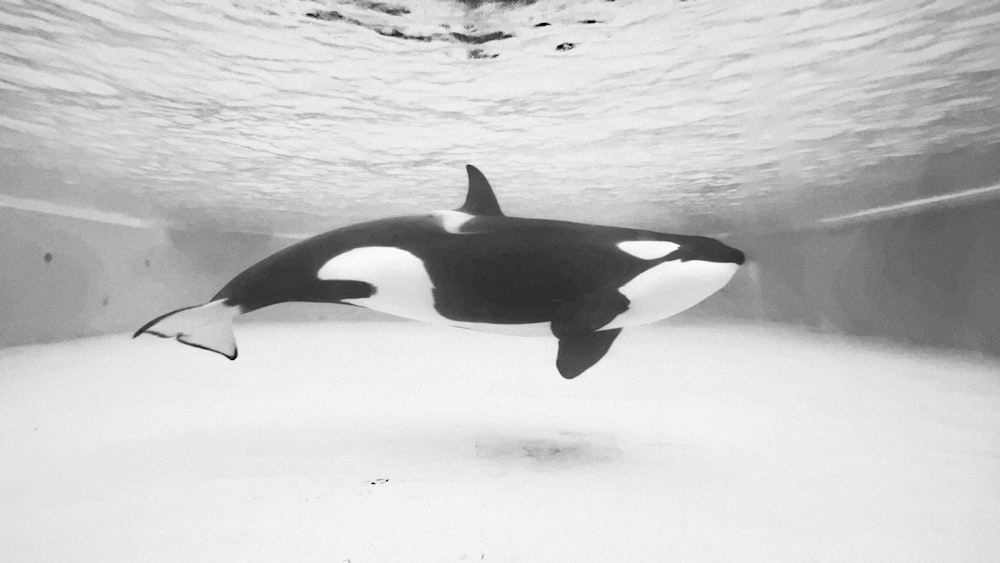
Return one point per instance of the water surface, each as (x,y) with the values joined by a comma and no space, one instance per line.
(294,116)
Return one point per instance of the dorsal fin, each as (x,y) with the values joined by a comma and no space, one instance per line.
(480,199)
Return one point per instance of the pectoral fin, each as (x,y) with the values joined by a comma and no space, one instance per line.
(578,353)
(577,324)
(588,313)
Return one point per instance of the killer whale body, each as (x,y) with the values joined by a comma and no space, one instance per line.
(476,268)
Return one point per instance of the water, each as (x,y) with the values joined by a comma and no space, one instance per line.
(722,441)
(251,115)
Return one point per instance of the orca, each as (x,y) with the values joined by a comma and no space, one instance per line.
(476,268)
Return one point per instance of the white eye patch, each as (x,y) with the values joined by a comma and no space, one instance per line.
(648,249)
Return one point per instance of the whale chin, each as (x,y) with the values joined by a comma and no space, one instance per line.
(671,288)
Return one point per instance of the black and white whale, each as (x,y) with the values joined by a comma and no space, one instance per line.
(476,268)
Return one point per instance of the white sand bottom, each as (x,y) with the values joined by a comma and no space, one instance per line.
(398,442)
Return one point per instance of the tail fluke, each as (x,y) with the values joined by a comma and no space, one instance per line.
(208,326)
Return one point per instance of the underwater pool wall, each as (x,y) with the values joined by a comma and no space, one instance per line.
(930,278)
(65,277)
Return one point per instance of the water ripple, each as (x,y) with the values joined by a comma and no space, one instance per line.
(664,114)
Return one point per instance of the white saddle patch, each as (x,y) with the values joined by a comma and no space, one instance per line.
(404,289)
(669,288)
(452,221)
(648,249)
